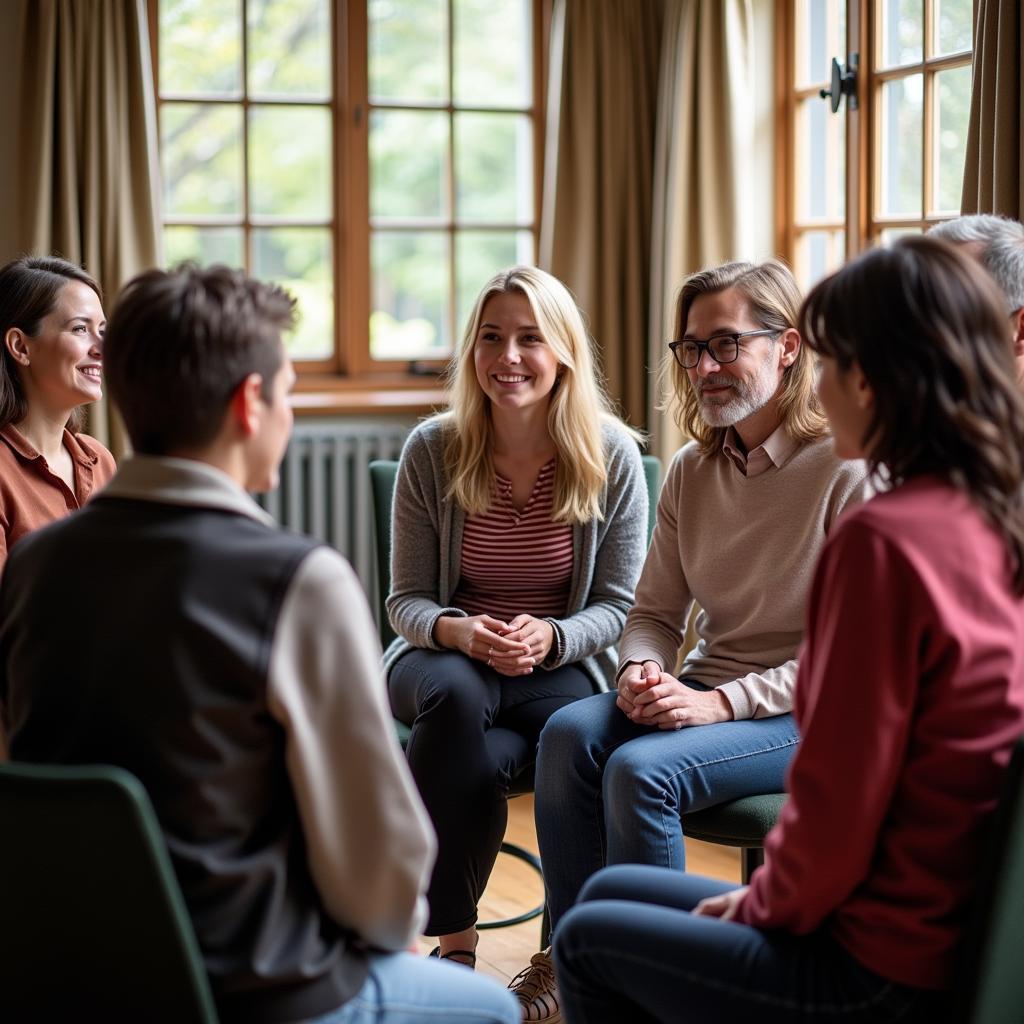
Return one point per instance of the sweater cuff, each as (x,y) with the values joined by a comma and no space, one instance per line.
(738,698)
(556,655)
(451,613)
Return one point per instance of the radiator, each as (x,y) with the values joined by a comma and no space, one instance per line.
(325,487)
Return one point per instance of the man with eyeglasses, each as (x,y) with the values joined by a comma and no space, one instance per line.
(998,244)
(744,511)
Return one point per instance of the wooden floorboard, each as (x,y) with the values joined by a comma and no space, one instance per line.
(515,887)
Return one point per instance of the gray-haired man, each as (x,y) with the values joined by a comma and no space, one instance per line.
(998,244)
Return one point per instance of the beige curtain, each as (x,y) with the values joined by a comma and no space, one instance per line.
(702,187)
(87,143)
(596,219)
(995,135)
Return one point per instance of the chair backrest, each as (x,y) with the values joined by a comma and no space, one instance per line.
(652,474)
(992,979)
(382,487)
(94,924)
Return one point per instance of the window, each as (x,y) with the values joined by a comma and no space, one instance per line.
(379,158)
(893,164)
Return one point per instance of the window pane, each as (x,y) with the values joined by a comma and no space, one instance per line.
(300,260)
(492,61)
(889,235)
(821,153)
(953,29)
(290,161)
(902,32)
(289,48)
(201,151)
(201,47)
(901,146)
(204,246)
(408,50)
(953,92)
(821,35)
(493,168)
(817,254)
(406,179)
(410,318)
(479,255)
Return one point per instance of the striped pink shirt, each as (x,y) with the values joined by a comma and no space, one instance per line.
(516,562)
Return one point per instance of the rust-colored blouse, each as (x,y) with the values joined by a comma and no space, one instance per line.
(32,496)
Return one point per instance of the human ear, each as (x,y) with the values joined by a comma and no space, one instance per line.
(1018,333)
(863,392)
(790,341)
(246,404)
(17,345)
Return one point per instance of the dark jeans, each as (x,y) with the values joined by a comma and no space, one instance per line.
(630,951)
(473,732)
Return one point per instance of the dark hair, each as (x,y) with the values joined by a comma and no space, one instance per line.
(180,342)
(29,287)
(926,325)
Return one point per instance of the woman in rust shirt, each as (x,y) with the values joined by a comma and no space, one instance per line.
(52,322)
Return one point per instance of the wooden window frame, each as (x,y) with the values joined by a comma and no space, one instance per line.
(350,380)
(863,224)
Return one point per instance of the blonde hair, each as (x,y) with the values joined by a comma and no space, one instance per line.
(578,409)
(774,300)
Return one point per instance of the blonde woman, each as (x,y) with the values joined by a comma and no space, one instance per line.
(745,509)
(519,528)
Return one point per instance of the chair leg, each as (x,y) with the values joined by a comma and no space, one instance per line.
(545,929)
(534,861)
(751,857)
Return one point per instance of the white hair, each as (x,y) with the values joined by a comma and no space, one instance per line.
(1001,249)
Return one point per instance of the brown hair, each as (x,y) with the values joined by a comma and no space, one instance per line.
(774,299)
(180,342)
(927,328)
(29,287)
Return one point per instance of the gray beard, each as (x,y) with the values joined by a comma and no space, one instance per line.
(744,401)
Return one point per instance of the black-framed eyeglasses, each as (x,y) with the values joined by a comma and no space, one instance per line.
(723,348)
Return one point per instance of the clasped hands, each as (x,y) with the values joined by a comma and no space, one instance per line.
(649,696)
(510,648)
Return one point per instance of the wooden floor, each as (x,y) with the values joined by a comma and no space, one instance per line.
(515,887)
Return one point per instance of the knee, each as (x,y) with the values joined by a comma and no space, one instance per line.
(632,776)
(607,884)
(447,687)
(563,740)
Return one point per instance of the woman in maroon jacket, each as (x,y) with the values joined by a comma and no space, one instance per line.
(909,697)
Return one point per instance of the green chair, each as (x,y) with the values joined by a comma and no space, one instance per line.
(382,487)
(991,989)
(743,823)
(94,924)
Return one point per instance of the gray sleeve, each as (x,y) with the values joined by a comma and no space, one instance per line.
(412,605)
(370,843)
(617,561)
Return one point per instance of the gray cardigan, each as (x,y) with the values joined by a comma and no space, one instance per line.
(426,555)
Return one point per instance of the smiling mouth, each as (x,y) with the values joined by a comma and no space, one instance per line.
(510,378)
(92,372)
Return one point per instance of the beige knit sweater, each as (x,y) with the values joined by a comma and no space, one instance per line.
(741,539)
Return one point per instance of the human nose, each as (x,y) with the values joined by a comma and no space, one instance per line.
(706,366)
(510,352)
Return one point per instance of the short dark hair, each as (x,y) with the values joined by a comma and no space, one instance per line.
(926,325)
(180,342)
(29,287)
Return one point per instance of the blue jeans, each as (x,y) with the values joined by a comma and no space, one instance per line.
(402,988)
(630,951)
(612,792)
